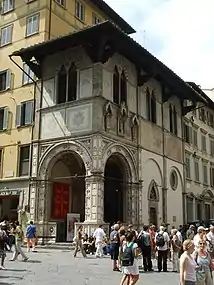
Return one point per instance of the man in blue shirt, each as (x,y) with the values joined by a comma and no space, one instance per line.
(31,237)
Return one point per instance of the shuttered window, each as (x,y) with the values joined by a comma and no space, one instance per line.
(6,35)
(4,119)
(25,114)
(5,80)
(24,159)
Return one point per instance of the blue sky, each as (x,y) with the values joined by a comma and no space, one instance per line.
(179,32)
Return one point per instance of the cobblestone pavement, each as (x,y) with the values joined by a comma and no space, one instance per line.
(59,267)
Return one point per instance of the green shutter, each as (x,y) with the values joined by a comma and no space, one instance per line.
(6,119)
(18,115)
(8,79)
(29,112)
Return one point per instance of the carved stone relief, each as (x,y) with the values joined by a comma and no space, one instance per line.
(134,128)
(107,116)
(122,117)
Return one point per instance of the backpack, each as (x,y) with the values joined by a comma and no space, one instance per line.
(140,241)
(128,256)
(160,240)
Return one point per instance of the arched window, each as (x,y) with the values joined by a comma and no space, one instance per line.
(72,83)
(170,118)
(148,104)
(153,108)
(123,88)
(62,86)
(67,85)
(175,121)
(116,86)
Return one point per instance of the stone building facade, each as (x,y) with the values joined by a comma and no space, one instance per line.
(199,160)
(108,130)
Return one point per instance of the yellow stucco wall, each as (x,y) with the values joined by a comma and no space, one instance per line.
(63,21)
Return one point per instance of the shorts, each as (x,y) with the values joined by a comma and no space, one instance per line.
(114,251)
(189,283)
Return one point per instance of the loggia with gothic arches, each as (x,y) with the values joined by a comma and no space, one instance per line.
(107,133)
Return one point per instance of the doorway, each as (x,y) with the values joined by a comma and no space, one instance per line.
(67,193)
(114,185)
(153,216)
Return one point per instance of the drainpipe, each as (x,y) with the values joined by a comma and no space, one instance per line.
(138,170)
(164,188)
(184,172)
(50,20)
(32,128)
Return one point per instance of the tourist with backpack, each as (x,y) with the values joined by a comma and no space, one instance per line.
(144,243)
(162,243)
(129,260)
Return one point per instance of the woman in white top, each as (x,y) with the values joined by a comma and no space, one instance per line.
(187,264)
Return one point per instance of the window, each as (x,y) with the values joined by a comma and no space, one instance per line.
(24,114)
(1,161)
(195,138)
(5,80)
(202,114)
(61,2)
(95,20)
(32,26)
(212,176)
(212,147)
(197,175)
(7,6)
(6,35)
(211,120)
(119,87)
(173,120)
(188,174)
(80,11)
(205,180)
(203,143)
(67,85)
(26,79)
(4,119)
(123,87)
(24,161)
(199,210)
(151,106)
(207,212)
(189,210)
(187,133)
(116,86)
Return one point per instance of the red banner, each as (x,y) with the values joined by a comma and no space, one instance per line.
(61,201)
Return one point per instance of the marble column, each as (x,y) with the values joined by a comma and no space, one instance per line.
(94,208)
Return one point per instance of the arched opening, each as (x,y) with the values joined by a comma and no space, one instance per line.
(67,192)
(116,86)
(123,88)
(72,83)
(170,118)
(61,86)
(114,190)
(153,108)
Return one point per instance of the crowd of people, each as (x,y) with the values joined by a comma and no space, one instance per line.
(12,235)
(190,251)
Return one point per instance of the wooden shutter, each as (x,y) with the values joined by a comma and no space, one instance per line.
(29,112)
(8,79)
(18,115)
(6,119)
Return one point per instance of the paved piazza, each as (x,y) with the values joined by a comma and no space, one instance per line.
(50,266)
